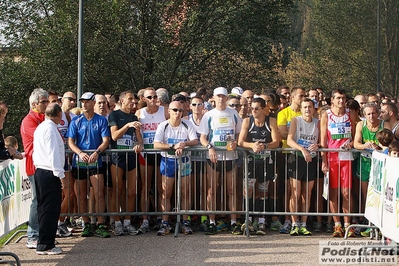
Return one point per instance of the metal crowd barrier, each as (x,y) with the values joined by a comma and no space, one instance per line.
(274,199)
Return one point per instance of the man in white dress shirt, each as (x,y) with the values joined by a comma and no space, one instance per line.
(49,159)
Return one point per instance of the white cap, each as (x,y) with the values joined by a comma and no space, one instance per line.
(193,94)
(220,90)
(88,96)
(237,91)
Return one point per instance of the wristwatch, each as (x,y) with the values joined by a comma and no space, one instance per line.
(172,146)
(209,146)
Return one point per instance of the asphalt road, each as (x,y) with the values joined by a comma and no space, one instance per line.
(197,249)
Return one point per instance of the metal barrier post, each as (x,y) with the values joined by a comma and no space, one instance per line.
(178,203)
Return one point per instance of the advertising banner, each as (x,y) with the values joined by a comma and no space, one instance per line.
(15,195)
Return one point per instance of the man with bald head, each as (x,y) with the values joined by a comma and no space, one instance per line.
(175,134)
(249,95)
(48,158)
(150,117)
(361,99)
(68,102)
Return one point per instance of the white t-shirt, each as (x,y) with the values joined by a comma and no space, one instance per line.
(172,135)
(221,128)
(149,124)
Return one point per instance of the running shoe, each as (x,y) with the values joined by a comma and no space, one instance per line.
(87,230)
(255,226)
(351,232)
(329,227)
(359,230)
(31,243)
(158,224)
(53,251)
(304,231)
(261,229)
(186,229)
(275,225)
(130,230)
(102,231)
(338,232)
(221,226)
(164,230)
(294,231)
(318,227)
(286,228)
(211,229)
(69,224)
(118,229)
(236,229)
(250,227)
(63,231)
(203,227)
(144,228)
(366,233)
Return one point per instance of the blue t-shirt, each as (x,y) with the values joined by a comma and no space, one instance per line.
(88,135)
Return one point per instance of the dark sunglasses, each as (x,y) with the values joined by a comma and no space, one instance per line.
(70,98)
(176,110)
(235,105)
(197,104)
(152,97)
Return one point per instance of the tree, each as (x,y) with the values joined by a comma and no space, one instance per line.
(134,44)
(339,45)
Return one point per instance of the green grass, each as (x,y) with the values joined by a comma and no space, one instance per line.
(7,236)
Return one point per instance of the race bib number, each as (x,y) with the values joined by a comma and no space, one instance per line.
(148,139)
(125,142)
(81,163)
(340,130)
(261,155)
(222,137)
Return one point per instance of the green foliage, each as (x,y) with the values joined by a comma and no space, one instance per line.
(134,44)
(339,46)
(16,87)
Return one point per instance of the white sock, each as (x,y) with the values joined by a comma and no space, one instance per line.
(233,222)
(261,220)
(118,223)
(126,222)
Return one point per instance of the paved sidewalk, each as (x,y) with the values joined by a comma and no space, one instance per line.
(196,249)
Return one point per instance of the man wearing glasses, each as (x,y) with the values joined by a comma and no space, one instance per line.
(234,103)
(197,107)
(220,128)
(174,135)
(38,102)
(68,102)
(259,133)
(150,117)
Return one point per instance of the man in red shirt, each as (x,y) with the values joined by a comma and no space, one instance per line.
(38,102)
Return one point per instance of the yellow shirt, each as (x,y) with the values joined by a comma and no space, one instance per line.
(284,118)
